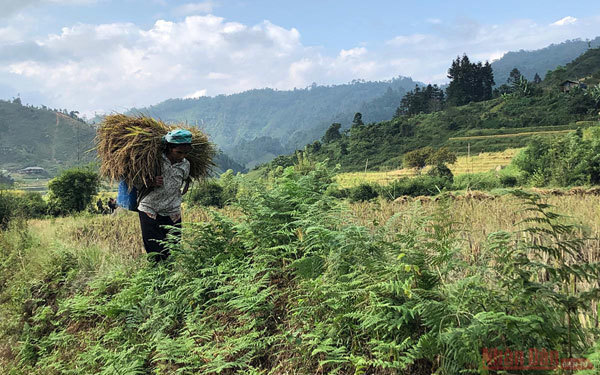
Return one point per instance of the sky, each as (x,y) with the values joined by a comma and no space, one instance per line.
(99,56)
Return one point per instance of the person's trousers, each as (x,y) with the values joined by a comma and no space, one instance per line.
(154,231)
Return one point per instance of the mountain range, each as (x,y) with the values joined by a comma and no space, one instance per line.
(251,127)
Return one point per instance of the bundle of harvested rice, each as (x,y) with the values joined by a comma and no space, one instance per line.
(130,148)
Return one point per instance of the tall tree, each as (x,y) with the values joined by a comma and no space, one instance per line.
(514,77)
(427,100)
(332,133)
(357,121)
(469,82)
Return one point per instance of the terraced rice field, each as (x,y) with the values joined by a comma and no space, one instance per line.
(482,162)
(511,135)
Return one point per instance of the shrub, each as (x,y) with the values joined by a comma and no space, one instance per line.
(508,180)
(230,184)
(336,192)
(208,193)
(6,179)
(72,190)
(477,181)
(363,192)
(7,208)
(29,205)
(441,170)
(420,185)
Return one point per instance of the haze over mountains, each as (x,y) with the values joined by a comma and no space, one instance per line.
(254,126)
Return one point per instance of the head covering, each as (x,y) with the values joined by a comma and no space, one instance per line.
(178,136)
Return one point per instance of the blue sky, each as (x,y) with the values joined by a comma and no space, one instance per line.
(103,55)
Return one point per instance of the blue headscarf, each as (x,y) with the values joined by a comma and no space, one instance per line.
(178,136)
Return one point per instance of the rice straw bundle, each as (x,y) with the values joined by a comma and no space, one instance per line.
(130,148)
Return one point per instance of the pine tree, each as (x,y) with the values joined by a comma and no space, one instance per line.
(470,82)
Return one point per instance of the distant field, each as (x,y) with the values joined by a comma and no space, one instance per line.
(511,135)
(481,162)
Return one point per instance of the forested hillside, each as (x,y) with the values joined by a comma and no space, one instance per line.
(54,139)
(257,125)
(43,137)
(427,117)
(542,60)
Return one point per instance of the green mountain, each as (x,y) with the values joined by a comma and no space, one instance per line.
(256,125)
(542,60)
(584,69)
(42,137)
(54,139)
(493,125)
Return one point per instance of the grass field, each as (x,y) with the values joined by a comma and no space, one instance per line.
(76,293)
(511,135)
(482,162)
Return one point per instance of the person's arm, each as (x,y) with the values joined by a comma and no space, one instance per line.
(158,181)
(186,186)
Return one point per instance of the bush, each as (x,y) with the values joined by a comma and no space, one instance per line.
(7,208)
(441,170)
(421,185)
(508,180)
(363,192)
(230,184)
(29,205)
(477,181)
(208,193)
(72,190)
(6,179)
(340,193)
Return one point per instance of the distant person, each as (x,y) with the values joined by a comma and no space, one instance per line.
(161,206)
(112,205)
(100,206)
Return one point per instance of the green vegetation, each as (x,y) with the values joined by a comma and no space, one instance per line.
(508,121)
(42,137)
(584,68)
(257,125)
(72,190)
(293,284)
(216,192)
(564,161)
(20,206)
(530,63)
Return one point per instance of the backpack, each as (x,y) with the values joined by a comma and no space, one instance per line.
(127,198)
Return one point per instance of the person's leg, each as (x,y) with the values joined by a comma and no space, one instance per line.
(152,233)
(168,226)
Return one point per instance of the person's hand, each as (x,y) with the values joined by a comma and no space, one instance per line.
(186,187)
(158,181)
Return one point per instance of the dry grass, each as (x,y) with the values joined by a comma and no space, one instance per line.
(510,135)
(130,147)
(482,162)
(479,218)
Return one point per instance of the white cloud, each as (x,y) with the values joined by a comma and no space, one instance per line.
(436,50)
(196,94)
(565,21)
(354,52)
(194,8)
(435,21)
(115,66)
(10,34)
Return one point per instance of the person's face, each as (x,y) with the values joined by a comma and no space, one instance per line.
(178,153)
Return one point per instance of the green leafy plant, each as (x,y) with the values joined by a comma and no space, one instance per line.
(72,190)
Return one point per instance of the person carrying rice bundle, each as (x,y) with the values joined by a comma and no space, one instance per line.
(137,152)
(160,208)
